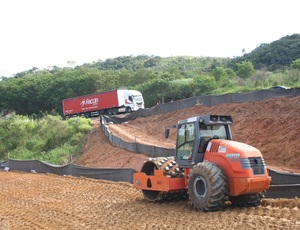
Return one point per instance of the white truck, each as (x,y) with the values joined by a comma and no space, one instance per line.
(110,102)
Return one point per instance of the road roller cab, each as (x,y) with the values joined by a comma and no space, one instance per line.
(194,135)
(208,166)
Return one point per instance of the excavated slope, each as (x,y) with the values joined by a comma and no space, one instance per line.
(272,126)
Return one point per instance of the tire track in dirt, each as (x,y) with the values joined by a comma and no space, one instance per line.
(45,201)
(134,134)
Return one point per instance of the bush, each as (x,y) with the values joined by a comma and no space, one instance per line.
(48,139)
(245,69)
(203,85)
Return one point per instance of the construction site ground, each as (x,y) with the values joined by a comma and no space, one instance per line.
(46,201)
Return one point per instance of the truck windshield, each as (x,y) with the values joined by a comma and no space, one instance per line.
(213,131)
(138,97)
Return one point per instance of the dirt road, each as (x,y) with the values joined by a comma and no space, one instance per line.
(41,201)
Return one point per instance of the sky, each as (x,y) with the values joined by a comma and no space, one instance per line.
(45,33)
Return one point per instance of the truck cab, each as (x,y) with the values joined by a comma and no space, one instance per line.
(130,100)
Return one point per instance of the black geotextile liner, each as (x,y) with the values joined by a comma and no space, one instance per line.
(283,185)
(112,174)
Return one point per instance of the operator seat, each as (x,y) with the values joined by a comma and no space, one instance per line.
(204,139)
(203,144)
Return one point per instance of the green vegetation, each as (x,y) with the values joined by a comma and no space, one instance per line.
(35,92)
(49,139)
(274,56)
(296,64)
(171,79)
(245,69)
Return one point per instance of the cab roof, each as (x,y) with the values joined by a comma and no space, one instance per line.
(209,120)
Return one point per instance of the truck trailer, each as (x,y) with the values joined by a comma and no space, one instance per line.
(110,103)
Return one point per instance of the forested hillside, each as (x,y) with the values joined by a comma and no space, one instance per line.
(36,92)
(277,55)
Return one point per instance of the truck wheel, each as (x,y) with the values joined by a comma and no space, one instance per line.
(116,111)
(207,187)
(250,200)
(110,112)
(128,110)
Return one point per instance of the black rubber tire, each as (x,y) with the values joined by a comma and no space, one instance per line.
(251,200)
(87,115)
(116,111)
(128,110)
(110,112)
(207,187)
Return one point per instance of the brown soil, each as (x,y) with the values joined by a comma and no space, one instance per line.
(45,201)
(99,152)
(272,126)
(41,201)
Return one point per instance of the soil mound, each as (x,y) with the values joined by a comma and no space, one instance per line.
(272,126)
(98,152)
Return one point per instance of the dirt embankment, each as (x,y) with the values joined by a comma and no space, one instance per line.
(99,152)
(272,126)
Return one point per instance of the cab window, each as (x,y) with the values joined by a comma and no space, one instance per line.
(212,131)
(185,141)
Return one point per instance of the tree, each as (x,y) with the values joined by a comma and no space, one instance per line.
(218,72)
(245,69)
(181,89)
(170,74)
(141,76)
(203,85)
(276,55)
(296,64)
(154,91)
